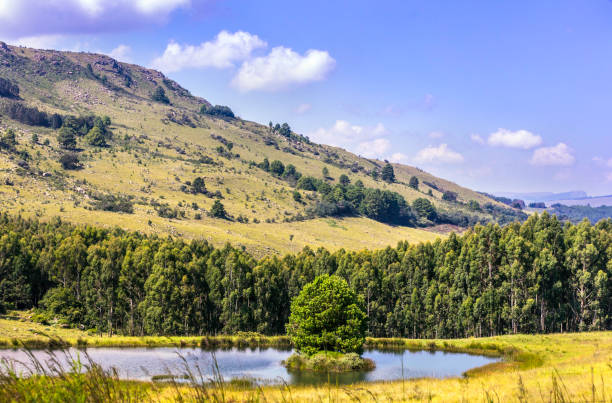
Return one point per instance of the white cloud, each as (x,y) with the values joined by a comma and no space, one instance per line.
(438,155)
(222,52)
(347,135)
(603,162)
(560,154)
(121,53)
(436,135)
(38,42)
(158,6)
(477,139)
(517,139)
(283,68)
(26,18)
(373,149)
(399,158)
(303,108)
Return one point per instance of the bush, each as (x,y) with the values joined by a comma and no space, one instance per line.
(70,161)
(449,196)
(110,202)
(217,110)
(297,196)
(159,95)
(327,316)
(277,167)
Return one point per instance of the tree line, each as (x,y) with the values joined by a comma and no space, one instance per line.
(536,277)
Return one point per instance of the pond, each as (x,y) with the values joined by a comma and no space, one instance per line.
(262,365)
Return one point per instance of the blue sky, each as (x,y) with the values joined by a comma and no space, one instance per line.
(496,96)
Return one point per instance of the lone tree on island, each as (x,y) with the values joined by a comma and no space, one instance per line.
(327,316)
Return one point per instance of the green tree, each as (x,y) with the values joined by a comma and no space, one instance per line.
(96,137)
(424,208)
(277,167)
(198,186)
(344,179)
(327,316)
(414,182)
(66,138)
(218,210)
(387,174)
(325,172)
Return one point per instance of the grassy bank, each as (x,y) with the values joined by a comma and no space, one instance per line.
(327,361)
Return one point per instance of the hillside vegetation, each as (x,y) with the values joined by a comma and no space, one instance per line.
(96,141)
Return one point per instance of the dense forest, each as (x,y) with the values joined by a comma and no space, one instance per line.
(536,277)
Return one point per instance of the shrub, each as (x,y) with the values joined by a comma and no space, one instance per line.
(449,196)
(159,95)
(110,202)
(70,161)
(217,110)
(474,205)
(297,196)
(344,179)
(277,167)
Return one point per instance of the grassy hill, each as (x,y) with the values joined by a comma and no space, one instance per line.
(157,150)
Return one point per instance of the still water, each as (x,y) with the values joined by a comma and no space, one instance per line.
(262,365)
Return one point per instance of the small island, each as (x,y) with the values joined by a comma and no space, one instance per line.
(327,327)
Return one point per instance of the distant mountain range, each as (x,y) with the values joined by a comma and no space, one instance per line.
(529,197)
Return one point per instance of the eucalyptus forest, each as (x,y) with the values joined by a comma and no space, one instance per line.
(540,276)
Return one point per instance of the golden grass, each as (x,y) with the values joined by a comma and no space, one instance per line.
(149,170)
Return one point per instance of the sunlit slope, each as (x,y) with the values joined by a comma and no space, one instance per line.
(157,148)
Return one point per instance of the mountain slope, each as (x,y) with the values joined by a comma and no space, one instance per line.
(158,149)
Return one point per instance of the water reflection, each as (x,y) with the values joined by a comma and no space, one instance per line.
(263,365)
